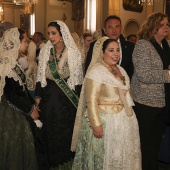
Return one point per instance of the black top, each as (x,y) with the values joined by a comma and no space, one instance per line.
(19,98)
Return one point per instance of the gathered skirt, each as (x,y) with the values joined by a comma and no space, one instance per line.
(118,149)
(17,150)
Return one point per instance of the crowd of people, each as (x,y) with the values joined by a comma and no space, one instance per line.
(88,102)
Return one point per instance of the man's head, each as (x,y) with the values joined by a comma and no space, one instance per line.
(132,38)
(112,26)
(37,37)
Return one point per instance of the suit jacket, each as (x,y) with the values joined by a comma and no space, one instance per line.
(147,84)
(127,50)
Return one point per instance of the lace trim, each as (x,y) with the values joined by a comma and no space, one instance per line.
(74,59)
(121,143)
(9,48)
(31,74)
(101,74)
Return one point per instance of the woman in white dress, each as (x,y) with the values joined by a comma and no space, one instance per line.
(106,134)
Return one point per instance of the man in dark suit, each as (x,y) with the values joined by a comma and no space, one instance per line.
(112,29)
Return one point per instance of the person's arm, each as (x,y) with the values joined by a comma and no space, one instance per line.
(19,99)
(92,89)
(146,64)
(37,93)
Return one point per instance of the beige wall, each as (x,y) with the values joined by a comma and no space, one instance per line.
(115,7)
(49,10)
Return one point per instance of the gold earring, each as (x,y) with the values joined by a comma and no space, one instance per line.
(61,40)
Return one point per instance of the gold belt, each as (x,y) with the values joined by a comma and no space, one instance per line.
(110,104)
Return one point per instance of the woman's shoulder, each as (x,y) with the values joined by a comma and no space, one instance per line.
(143,42)
(95,72)
(96,69)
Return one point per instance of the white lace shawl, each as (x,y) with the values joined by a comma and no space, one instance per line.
(102,75)
(9,48)
(74,59)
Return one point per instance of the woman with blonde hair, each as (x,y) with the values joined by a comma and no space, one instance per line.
(150,86)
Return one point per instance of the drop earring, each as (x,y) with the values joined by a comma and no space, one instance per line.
(61,40)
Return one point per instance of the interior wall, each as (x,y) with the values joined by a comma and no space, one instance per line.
(40,13)
(49,10)
(128,16)
(54,11)
(12,13)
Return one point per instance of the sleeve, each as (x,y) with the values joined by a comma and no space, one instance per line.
(38,90)
(92,89)
(17,97)
(145,69)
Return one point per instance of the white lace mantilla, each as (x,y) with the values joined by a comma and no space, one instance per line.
(9,48)
(103,75)
(74,59)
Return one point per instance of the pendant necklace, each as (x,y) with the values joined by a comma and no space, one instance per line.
(58,58)
(114,72)
(111,69)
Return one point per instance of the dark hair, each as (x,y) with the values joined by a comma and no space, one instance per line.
(40,35)
(5,26)
(54,24)
(111,17)
(107,42)
(21,32)
(131,35)
(86,35)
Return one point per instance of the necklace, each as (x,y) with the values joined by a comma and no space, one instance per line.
(114,72)
(111,69)
(58,58)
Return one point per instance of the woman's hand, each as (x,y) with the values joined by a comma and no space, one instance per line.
(35,114)
(98,131)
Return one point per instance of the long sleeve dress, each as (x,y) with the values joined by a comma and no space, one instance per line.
(119,148)
(16,138)
(58,114)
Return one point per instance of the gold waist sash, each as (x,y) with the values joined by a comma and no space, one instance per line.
(108,107)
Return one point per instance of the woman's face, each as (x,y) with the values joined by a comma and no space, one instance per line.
(163,30)
(24,44)
(87,41)
(111,54)
(54,35)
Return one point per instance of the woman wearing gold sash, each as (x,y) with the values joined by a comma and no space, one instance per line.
(106,132)
(59,74)
(17,151)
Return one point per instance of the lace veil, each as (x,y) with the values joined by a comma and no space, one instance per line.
(74,59)
(96,57)
(9,49)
